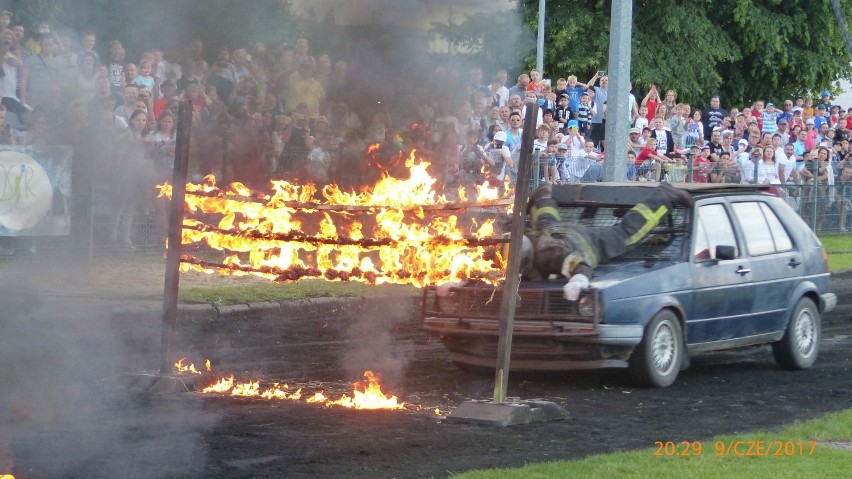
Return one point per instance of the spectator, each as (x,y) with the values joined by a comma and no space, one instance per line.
(11,65)
(598,132)
(670,103)
(649,162)
(304,88)
(520,88)
(768,171)
(651,102)
(678,125)
(725,171)
(665,142)
(104,97)
(38,72)
(843,198)
(145,77)
(713,114)
(574,90)
(115,65)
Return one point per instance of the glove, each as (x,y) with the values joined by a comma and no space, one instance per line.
(569,263)
(572,288)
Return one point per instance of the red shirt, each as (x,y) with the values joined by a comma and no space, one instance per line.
(643,155)
(699,174)
(652,109)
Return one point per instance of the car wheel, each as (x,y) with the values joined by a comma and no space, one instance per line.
(657,360)
(799,347)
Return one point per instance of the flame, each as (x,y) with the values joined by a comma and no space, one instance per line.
(188,369)
(6,476)
(397,231)
(370,396)
(222,386)
(366,394)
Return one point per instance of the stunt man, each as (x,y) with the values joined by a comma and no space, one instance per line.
(574,251)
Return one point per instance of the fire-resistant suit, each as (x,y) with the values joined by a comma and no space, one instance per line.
(554,247)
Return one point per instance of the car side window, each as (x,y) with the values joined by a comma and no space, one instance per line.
(779,234)
(713,228)
(763,232)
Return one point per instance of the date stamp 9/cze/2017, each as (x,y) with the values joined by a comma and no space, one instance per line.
(735,448)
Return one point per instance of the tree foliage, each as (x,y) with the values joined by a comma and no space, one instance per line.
(164,23)
(740,49)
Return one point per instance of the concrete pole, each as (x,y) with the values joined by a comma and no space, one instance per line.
(539,50)
(617,106)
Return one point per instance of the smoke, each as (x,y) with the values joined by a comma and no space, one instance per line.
(65,408)
(372,339)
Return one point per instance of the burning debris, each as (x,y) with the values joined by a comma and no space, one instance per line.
(397,231)
(366,394)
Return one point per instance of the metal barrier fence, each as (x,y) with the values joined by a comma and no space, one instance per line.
(101,227)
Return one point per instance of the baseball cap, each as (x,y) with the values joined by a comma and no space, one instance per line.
(705,147)
(695,147)
(635,130)
(742,143)
(573,124)
(782,121)
(770,104)
(564,95)
(825,93)
(562,146)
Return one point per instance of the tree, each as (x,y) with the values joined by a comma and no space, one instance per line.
(164,23)
(741,50)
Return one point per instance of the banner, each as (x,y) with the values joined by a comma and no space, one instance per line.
(35,191)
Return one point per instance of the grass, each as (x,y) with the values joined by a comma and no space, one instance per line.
(306,288)
(839,249)
(826,462)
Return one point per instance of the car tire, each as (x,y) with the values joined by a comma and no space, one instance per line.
(799,347)
(656,361)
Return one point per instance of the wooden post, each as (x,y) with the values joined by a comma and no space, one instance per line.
(170,290)
(513,268)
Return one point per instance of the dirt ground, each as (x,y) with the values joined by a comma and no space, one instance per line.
(78,410)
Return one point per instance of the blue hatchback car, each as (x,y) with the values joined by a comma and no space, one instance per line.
(737,268)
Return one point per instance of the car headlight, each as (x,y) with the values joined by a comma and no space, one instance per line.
(586,304)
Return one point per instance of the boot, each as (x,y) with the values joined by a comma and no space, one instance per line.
(675,196)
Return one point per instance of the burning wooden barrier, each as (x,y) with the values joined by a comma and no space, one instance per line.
(397,231)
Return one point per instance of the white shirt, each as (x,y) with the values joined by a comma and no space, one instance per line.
(789,162)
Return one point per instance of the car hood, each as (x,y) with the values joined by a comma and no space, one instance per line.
(640,277)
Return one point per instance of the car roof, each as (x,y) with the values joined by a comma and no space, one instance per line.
(631,193)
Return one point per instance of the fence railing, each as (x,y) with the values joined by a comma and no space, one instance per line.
(100,227)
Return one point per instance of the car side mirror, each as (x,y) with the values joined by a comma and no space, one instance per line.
(724,252)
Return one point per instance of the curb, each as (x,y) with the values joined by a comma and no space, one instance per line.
(210,310)
(845,274)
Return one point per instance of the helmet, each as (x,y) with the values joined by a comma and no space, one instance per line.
(500,136)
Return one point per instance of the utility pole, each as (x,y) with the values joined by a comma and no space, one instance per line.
(539,50)
(617,105)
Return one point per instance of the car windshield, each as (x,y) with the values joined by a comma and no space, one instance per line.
(665,242)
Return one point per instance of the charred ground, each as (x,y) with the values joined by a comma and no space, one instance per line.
(325,345)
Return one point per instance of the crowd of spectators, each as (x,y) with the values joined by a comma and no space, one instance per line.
(279,111)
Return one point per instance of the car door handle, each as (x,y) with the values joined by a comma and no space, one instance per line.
(793,263)
(743,271)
